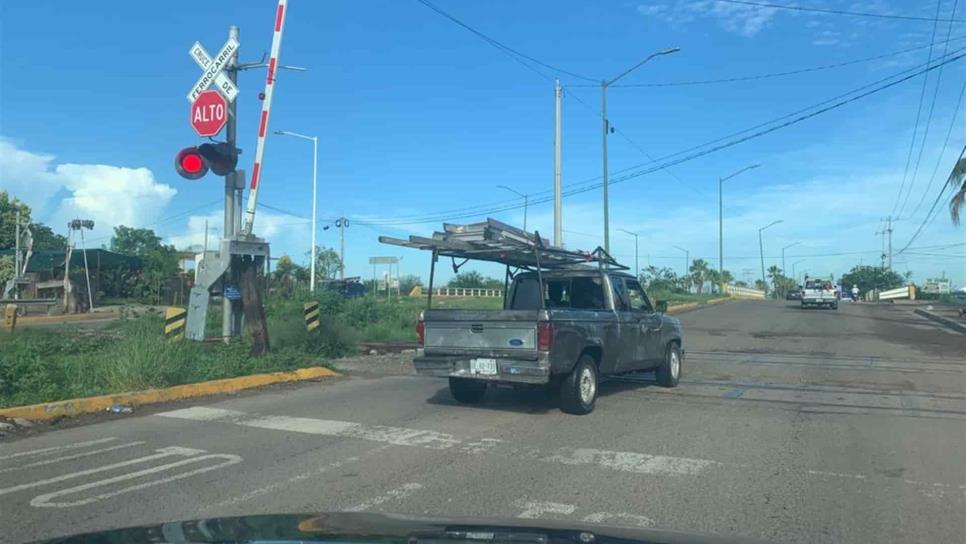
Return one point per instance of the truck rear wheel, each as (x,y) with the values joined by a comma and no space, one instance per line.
(578,390)
(669,373)
(467,391)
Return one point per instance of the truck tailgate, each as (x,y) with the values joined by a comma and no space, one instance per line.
(507,331)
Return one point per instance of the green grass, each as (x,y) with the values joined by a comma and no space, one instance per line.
(44,365)
(130,354)
(673,298)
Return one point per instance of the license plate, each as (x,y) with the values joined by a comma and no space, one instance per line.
(483,366)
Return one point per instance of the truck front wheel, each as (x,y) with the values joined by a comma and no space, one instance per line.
(578,390)
(669,373)
(467,391)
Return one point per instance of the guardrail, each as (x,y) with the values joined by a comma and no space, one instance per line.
(899,293)
(744,292)
(466,292)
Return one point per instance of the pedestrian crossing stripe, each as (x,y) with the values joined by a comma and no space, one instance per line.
(175,320)
(311,312)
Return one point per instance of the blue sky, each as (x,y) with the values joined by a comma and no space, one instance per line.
(415,115)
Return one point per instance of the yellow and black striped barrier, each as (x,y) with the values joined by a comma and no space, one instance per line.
(311,316)
(174,322)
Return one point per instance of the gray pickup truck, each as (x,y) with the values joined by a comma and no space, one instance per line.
(583,324)
(568,318)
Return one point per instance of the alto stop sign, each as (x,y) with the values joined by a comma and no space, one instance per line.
(209,113)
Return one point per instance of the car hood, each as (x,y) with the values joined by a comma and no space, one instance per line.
(388,529)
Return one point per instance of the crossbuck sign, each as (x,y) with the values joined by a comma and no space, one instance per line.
(213,70)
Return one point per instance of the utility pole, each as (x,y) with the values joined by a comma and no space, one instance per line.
(231,207)
(889,231)
(687,258)
(342,247)
(16,260)
(557,173)
(604,127)
(882,254)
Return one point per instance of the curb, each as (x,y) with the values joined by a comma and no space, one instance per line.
(951,323)
(88,405)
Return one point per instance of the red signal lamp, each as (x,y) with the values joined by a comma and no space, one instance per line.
(190,164)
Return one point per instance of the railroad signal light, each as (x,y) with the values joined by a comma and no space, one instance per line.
(190,164)
(221,158)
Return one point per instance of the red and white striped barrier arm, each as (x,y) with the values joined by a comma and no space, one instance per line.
(263,122)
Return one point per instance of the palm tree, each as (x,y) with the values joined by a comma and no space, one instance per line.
(957,180)
(699,273)
(776,276)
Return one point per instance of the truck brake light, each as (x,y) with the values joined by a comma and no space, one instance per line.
(421,332)
(544,335)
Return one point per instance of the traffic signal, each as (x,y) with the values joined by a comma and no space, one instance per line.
(221,158)
(194,162)
(190,164)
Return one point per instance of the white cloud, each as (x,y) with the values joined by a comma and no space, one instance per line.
(281,230)
(736,18)
(110,195)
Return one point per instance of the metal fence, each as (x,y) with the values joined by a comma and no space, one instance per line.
(744,292)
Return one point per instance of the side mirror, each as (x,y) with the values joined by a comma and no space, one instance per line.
(661,306)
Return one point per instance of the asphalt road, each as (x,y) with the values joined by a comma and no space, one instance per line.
(792,426)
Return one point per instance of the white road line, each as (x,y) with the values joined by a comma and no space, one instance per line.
(620,518)
(283,484)
(203,413)
(45,451)
(400,492)
(326,427)
(74,456)
(43,501)
(627,461)
(163,452)
(536,509)
(837,474)
(275,486)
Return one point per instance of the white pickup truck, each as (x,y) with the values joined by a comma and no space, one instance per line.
(819,293)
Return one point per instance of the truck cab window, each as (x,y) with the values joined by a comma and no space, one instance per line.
(526,294)
(621,302)
(639,301)
(558,293)
(588,293)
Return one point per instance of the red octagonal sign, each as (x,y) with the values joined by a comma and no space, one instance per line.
(209,113)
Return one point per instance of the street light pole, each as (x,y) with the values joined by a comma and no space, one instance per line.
(761,251)
(783,254)
(525,202)
(687,258)
(794,264)
(605,128)
(721,222)
(315,170)
(637,263)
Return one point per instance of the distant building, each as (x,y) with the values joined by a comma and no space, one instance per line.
(937,286)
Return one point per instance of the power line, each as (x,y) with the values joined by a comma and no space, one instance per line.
(771,75)
(503,47)
(836,11)
(915,127)
(942,150)
(932,107)
(934,204)
(699,151)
